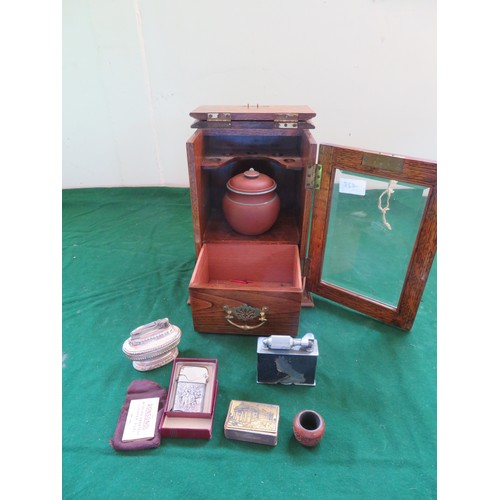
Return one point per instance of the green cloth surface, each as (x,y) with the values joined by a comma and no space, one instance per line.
(128,255)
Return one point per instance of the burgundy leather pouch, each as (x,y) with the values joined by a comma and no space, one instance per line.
(139,389)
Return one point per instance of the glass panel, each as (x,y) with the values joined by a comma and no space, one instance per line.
(372,229)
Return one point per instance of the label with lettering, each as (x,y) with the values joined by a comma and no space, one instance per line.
(349,185)
(141,419)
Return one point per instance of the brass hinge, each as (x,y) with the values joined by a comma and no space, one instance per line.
(305,264)
(286,120)
(219,117)
(313,176)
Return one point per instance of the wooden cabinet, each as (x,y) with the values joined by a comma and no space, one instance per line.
(258,284)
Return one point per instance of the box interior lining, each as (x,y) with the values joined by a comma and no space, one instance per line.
(247,266)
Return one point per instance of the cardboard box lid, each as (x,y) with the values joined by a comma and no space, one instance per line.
(181,426)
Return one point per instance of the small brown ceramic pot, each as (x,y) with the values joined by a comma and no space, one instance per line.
(250,204)
(308,427)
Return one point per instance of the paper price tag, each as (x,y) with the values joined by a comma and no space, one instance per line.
(352,186)
(141,419)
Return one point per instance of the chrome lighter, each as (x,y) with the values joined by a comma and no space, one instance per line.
(281,359)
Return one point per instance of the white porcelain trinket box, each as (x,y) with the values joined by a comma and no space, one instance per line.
(153,345)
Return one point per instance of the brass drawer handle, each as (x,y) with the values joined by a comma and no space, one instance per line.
(246,313)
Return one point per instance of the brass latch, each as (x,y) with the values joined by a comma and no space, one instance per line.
(313,176)
(286,120)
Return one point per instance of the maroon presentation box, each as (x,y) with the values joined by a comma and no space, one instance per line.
(192,393)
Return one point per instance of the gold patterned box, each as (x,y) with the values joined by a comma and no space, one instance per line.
(253,422)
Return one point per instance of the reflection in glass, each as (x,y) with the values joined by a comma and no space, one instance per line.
(371,232)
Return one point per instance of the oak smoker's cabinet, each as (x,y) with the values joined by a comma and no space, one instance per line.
(332,236)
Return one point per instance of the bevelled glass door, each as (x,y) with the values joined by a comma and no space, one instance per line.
(373,234)
(372,228)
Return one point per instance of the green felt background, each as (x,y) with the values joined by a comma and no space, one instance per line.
(128,255)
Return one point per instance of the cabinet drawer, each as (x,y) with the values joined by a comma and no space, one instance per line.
(243,288)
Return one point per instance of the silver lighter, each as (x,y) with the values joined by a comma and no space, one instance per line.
(281,359)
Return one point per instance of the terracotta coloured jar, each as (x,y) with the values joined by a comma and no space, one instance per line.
(250,204)
(308,428)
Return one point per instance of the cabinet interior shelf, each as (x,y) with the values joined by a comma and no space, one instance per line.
(285,230)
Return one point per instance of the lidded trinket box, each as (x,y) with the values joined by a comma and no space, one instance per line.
(252,422)
(153,345)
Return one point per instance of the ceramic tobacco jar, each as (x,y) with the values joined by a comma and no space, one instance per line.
(308,428)
(251,205)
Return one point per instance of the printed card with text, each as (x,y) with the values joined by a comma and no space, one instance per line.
(141,419)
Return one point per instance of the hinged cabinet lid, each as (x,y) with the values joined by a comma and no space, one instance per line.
(277,116)
(373,232)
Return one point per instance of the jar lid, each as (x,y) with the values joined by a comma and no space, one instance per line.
(251,182)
